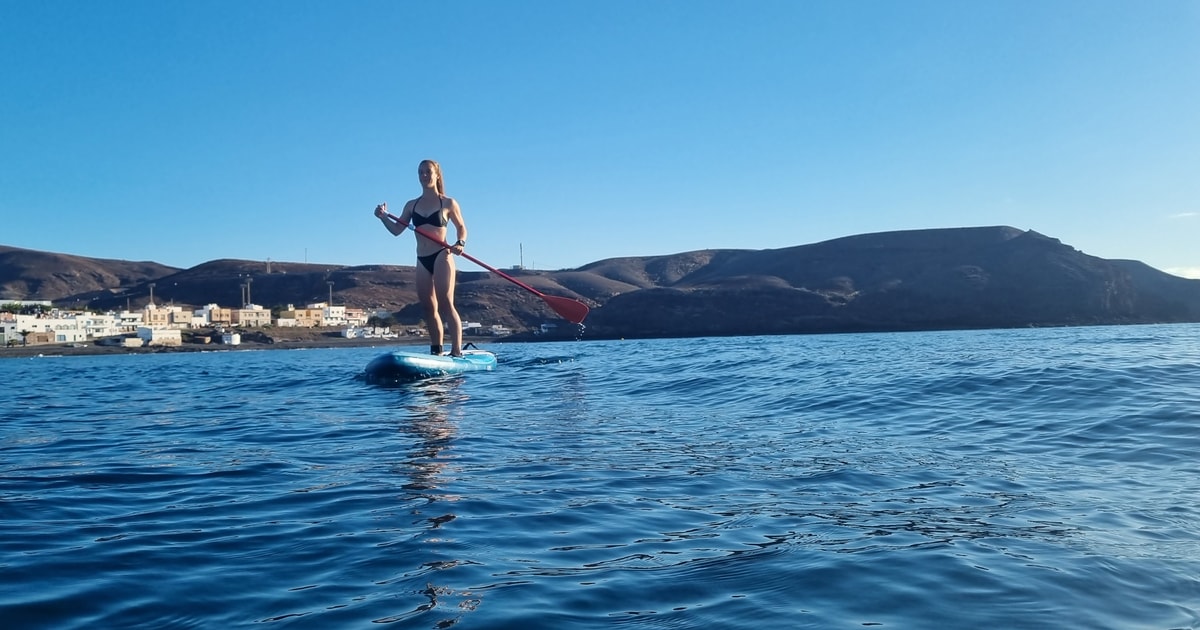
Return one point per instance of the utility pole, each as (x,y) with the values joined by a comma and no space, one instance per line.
(151,294)
(330,283)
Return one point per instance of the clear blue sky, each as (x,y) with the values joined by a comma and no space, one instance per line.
(182,132)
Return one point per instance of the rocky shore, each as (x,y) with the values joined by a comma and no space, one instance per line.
(275,339)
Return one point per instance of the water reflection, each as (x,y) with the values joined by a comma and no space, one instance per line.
(433,408)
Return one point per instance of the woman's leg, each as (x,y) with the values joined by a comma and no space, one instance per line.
(433,323)
(443,282)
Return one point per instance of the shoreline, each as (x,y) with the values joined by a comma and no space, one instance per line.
(304,339)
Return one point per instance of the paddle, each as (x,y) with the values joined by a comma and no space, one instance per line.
(571,310)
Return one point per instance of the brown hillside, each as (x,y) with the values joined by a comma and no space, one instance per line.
(910,280)
(27,274)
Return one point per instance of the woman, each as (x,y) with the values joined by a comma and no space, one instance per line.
(432,212)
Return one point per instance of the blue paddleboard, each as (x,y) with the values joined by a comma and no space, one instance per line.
(404,364)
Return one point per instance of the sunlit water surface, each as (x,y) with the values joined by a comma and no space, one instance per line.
(1007,479)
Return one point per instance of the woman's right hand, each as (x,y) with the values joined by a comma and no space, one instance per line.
(381,210)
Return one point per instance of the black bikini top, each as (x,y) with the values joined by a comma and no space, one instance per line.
(437,219)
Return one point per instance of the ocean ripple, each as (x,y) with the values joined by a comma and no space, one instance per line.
(1020,479)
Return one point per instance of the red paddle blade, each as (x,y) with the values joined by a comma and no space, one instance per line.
(571,310)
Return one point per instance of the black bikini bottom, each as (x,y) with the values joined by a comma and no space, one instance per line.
(429,261)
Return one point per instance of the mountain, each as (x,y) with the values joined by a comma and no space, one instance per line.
(27,274)
(908,280)
(987,277)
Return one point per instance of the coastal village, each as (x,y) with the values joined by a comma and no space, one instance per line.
(27,323)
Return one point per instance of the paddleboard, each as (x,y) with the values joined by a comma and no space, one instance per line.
(405,364)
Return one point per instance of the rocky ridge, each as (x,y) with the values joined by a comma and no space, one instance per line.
(986,277)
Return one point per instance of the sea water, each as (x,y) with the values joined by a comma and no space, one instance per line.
(1040,478)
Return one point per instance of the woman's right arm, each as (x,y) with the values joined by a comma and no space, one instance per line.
(395,227)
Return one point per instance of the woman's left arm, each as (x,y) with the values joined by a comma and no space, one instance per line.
(460,227)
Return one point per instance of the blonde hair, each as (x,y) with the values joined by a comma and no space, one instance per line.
(437,168)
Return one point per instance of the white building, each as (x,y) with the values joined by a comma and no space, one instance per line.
(8,331)
(128,321)
(202,317)
(99,326)
(60,328)
(160,336)
(330,315)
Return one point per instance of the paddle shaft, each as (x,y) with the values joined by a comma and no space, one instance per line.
(571,310)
